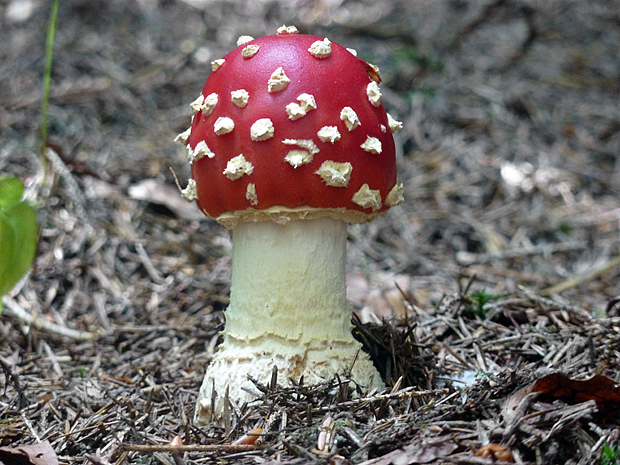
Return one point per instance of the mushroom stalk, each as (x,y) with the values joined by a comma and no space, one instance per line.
(287,309)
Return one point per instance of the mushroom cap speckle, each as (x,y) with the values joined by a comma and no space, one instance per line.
(294,99)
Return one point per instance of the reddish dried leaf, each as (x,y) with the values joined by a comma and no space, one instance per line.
(176,441)
(495,452)
(250,437)
(599,388)
(34,454)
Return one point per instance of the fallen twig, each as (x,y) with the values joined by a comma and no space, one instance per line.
(581,279)
(402,394)
(13,309)
(552,302)
(190,448)
(75,193)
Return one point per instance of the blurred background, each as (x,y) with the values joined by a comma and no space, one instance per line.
(508,153)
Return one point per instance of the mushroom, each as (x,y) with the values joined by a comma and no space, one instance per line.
(296,146)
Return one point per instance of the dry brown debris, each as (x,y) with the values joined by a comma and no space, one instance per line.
(501,268)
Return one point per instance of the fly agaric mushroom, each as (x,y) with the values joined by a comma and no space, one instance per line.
(289,142)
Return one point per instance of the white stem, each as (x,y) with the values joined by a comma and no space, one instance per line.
(289,283)
(287,308)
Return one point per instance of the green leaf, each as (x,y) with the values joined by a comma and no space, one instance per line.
(6,237)
(11,191)
(18,234)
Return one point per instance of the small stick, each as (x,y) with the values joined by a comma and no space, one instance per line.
(551,302)
(581,279)
(190,447)
(402,394)
(12,308)
(75,193)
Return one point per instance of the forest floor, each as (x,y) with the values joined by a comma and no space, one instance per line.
(488,300)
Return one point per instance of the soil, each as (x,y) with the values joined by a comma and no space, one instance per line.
(500,269)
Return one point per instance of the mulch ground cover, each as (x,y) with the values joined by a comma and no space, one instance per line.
(489,301)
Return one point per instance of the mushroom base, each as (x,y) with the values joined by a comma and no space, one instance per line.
(287,309)
(317,365)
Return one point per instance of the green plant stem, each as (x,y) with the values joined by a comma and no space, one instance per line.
(47,79)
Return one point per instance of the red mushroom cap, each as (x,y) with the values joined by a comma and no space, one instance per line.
(291,126)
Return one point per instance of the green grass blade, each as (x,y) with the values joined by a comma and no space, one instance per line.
(47,77)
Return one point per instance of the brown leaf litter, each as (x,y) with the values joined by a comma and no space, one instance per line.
(500,270)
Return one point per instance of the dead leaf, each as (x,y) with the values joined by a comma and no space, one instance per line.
(33,454)
(176,441)
(601,389)
(379,296)
(11,429)
(495,452)
(517,404)
(161,193)
(249,438)
(418,452)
